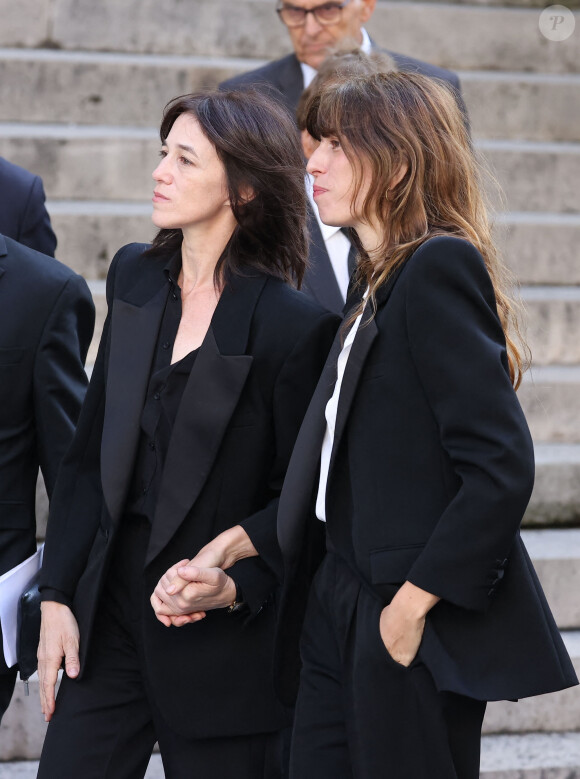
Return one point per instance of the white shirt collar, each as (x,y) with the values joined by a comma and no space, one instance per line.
(309,72)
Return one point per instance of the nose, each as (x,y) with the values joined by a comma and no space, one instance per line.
(316,165)
(311,26)
(161,172)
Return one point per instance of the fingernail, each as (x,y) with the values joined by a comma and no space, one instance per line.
(171,590)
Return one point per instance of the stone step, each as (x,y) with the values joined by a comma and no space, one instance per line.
(531,756)
(556,496)
(556,557)
(101,163)
(557,712)
(131,89)
(550,397)
(534,176)
(540,248)
(495,38)
(552,317)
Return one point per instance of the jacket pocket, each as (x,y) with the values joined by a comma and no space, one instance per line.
(391,565)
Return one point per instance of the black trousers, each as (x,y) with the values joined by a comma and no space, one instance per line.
(106,724)
(7,682)
(360,714)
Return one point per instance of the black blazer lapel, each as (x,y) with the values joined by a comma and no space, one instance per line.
(303,469)
(361,346)
(134,330)
(319,280)
(209,400)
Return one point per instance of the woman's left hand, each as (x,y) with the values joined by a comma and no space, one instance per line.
(403,621)
(196,591)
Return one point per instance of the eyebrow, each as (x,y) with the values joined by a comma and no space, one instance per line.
(183,147)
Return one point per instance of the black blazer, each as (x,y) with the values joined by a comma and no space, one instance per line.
(284,80)
(431,471)
(23,215)
(235,429)
(46,324)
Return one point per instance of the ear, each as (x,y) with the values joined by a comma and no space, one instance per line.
(398,176)
(368,6)
(247,194)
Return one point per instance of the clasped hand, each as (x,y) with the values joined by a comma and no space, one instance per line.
(191,588)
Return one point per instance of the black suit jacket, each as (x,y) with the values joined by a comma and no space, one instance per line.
(46,324)
(238,419)
(284,81)
(23,215)
(431,471)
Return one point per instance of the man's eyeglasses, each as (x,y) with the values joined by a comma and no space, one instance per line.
(328,13)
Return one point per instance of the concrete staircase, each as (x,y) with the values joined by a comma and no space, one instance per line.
(83,85)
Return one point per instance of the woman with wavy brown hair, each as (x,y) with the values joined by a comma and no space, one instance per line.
(425,605)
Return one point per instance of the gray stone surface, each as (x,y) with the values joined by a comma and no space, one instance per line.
(552,315)
(556,558)
(531,756)
(89,237)
(494,38)
(23,727)
(540,248)
(550,397)
(25,23)
(534,176)
(102,163)
(27,769)
(483,38)
(535,107)
(132,90)
(556,496)
(100,88)
(558,711)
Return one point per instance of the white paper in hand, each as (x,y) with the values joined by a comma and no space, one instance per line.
(12,585)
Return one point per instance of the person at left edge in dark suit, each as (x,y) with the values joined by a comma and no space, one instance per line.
(23,214)
(206,366)
(46,325)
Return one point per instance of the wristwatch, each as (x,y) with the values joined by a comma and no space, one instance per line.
(239,601)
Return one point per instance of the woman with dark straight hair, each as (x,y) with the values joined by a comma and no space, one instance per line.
(206,365)
(414,461)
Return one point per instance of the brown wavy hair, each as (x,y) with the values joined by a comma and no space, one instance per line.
(255,138)
(387,121)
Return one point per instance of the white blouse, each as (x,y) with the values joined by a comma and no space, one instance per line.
(330,414)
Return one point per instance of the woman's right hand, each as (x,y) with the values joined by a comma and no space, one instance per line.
(59,637)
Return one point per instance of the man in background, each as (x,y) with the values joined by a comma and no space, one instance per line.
(23,215)
(315,28)
(47,318)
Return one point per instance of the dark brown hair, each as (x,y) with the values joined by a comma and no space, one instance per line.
(388,122)
(255,139)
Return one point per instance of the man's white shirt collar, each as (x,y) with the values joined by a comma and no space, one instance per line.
(308,72)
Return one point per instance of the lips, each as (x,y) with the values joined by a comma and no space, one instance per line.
(316,191)
(159,198)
